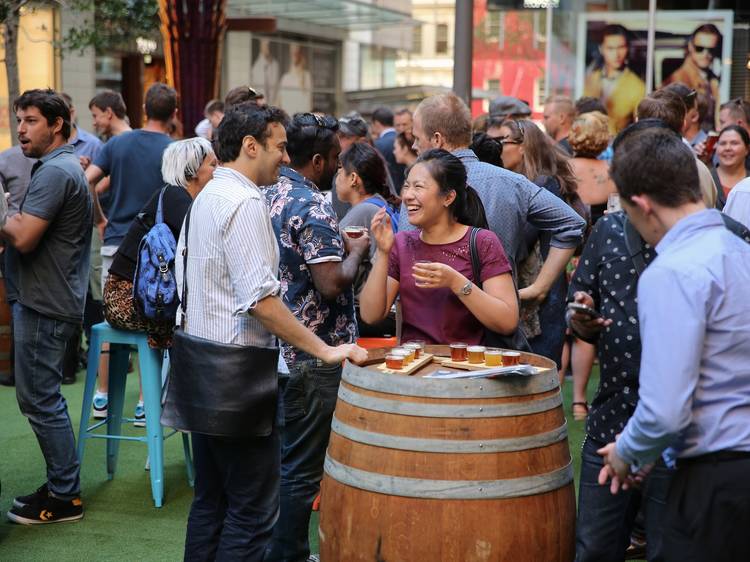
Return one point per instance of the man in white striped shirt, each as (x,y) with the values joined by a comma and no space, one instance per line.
(232,278)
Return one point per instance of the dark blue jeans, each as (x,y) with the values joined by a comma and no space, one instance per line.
(236,499)
(40,343)
(309,401)
(552,320)
(605,520)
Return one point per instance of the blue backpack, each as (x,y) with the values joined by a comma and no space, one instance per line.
(392,213)
(154,285)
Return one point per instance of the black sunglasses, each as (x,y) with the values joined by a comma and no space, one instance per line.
(702,49)
(315,120)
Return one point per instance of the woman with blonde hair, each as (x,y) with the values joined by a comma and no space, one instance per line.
(589,137)
(186,168)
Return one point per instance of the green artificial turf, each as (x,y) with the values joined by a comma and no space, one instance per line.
(121,522)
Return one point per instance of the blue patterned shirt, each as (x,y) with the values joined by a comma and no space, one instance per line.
(307,230)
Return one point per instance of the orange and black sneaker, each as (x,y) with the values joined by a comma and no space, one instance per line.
(47,510)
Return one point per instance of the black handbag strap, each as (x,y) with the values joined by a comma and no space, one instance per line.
(475,268)
(183,302)
(476,265)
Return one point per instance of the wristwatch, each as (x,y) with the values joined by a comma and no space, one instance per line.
(466,289)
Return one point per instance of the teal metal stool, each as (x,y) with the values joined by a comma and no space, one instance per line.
(150,364)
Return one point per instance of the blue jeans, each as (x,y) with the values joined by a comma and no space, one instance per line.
(40,343)
(552,320)
(236,499)
(605,520)
(309,400)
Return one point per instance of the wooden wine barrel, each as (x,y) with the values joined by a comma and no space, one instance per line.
(6,338)
(420,469)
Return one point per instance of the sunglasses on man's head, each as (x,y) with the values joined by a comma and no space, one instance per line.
(315,120)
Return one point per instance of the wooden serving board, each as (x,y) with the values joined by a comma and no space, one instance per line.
(411,368)
(465,365)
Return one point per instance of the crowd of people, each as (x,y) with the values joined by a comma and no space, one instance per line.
(307,232)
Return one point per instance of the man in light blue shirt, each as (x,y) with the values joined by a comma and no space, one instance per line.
(694,311)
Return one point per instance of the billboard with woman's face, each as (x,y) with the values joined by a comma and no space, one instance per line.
(692,47)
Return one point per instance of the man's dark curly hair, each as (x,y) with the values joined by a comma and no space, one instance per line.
(246,119)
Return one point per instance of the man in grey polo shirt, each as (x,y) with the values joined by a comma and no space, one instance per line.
(51,234)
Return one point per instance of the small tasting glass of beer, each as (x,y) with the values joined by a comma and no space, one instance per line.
(476,353)
(422,346)
(493,357)
(355,231)
(458,351)
(394,361)
(408,354)
(414,346)
(511,358)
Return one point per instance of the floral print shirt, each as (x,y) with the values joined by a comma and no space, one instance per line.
(307,231)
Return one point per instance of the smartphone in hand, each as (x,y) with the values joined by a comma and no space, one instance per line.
(583,309)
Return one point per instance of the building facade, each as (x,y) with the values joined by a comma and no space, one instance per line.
(41,64)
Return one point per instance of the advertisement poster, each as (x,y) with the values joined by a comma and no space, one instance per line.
(281,70)
(692,47)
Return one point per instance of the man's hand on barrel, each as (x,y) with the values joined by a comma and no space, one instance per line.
(340,353)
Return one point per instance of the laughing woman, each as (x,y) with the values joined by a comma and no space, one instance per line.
(431,267)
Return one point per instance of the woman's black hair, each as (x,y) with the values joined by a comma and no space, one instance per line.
(450,175)
(371,169)
(487,149)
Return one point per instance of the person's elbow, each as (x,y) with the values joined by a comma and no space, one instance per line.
(506,323)
(25,244)
(671,420)
(330,291)
(370,314)
(572,233)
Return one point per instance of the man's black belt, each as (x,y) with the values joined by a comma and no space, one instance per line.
(718,456)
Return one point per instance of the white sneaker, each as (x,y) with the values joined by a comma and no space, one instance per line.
(139,415)
(100,405)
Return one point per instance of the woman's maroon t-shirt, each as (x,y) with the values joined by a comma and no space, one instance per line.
(437,315)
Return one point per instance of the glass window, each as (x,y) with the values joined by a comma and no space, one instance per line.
(494,22)
(441,39)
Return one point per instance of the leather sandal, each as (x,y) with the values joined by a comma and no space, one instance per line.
(576,408)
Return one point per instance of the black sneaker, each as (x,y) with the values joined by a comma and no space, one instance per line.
(47,510)
(41,493)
